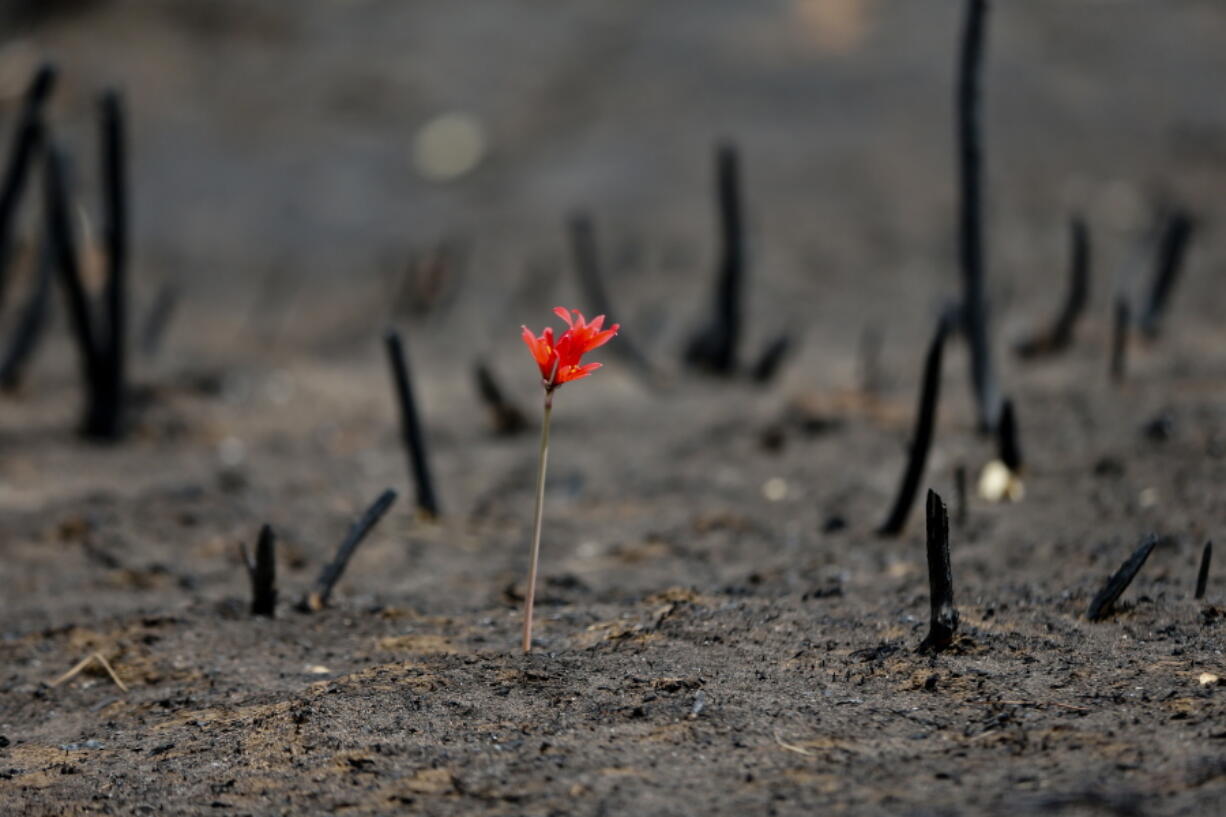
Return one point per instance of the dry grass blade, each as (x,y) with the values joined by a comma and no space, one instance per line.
(85,662)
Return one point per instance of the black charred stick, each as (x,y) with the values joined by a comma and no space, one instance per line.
(64,254)
(591,279)
(30,325)
(772,358)
(411,427)
(508,419)
(1202,575)
(263,573)
(105,421)
(944,618)
(1009,450)
(1172,248)
(1060,335)
(971,243)
(25,144)
(925,422)
(317,598)
(715,347)
(732,252)
(1104,602)
(1119,338)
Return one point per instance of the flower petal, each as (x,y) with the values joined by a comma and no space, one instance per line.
(602,338)
(578,372)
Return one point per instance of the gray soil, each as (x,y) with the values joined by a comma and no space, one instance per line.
(720,629)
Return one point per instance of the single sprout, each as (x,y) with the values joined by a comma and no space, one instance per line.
(559,362)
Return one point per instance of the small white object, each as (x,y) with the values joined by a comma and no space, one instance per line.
(448,146)
(775,489)
(998,484)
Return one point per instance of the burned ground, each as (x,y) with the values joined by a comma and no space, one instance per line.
(720,627)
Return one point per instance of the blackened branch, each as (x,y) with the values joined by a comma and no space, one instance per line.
(586,254)
(772,358)
(263,574)
(1172,247)
(925,422)
(26,140)
(30,324)
(1009,448)
(1202,575)
(944,618)
(411,428)
(971,243)
(105,421)
(317,598)
(1059,336)
(1103,603)
(507,418)
(64,253)
(715,347)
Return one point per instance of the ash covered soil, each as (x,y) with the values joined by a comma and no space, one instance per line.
(720,630)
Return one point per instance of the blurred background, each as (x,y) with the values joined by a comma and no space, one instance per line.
(301,156)
(306,174)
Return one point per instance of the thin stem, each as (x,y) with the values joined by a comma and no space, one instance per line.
(536,524)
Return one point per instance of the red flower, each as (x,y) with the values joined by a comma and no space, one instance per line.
(559,362)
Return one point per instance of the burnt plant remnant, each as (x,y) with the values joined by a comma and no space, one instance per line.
(317,598)
(970,232)
(1172,247)
(1120,329)
(772,358)
(1009,450)
(64,252)
(26,140)
(262,573)
(102,353)
(30,324)
(584,249)
(430,281)
(1059,336)
(944,619)
(411,427)
(924,423)
(1202,575)
(505,415)
(1103,603)
(106,419)
(714,348)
